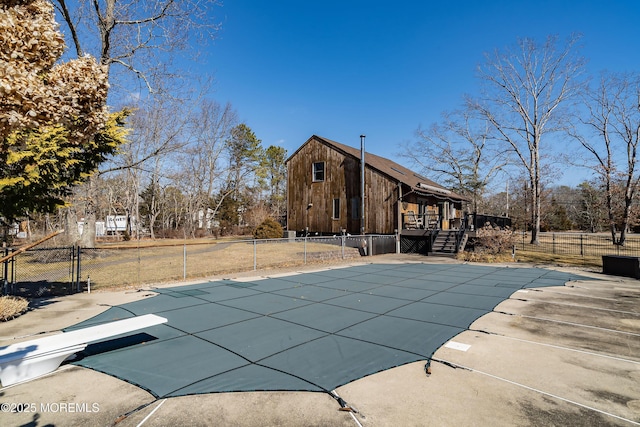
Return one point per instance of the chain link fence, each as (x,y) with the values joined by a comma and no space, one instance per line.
(42,272)
(60,271)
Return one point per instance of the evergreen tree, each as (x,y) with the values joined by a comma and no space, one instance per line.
(55,128)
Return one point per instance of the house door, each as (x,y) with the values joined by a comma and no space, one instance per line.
(422,211)
(443,213)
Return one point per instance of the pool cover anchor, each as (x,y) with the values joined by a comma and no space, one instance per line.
(451,364)
(427,368)
(122,417)
(344,406)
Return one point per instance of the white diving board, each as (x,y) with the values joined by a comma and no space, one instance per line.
(30,359)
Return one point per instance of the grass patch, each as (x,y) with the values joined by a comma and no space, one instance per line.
(145,265)
(558,259)
(149,243)
(579,244)
(534,257)
(12,307)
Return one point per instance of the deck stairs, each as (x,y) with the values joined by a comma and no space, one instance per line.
(445,242)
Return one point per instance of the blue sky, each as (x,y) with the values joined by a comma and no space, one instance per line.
(340,69)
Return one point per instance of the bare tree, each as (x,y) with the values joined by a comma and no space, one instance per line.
(525,94)
(212,127)
(174,210)
(592,210)
(613,116)
(459,150)
(203,162)
(136,41)
(158,129)
(138,37)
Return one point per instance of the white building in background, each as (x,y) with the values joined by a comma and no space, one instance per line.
(206,219)
(112,225)
(118,224)
(100,229)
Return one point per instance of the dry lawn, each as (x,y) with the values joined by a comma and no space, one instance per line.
(581,244)
(130,266)
(558,259)
(563,249)
(574,249)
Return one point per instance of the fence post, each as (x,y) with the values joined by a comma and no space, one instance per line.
(78,270)
(12,275)
(184,262)
(5,284)
(12,282)
(342,242)
(255,255)
(305,249)
(553,235)
(581,245)
(72,256)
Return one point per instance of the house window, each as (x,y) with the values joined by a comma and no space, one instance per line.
(336,208)
(318,171)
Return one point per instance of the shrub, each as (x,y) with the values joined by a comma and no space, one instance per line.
(494,240)
(200,233)
(11,307)
(491,244)
(269,229)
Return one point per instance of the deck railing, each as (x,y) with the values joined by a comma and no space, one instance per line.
(473,221)
(420,221)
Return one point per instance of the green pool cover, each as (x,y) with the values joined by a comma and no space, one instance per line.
(313,331)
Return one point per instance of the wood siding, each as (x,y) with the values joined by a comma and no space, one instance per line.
(310,204)
(342,181)
(380,203)
(339,183)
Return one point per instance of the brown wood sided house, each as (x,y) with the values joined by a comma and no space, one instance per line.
(324,194)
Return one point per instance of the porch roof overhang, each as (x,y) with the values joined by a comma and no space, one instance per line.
(444,195)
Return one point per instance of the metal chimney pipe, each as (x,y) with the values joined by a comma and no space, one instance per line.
(362,137)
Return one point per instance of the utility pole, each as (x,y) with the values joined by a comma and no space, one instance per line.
(507,213)
(362,137)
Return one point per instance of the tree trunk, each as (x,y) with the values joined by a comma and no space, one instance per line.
(535,212)
(88,237)
(28,229)
(612,221)
(71,227)
(628,200)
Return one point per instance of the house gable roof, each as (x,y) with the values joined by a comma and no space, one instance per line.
(393,170)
